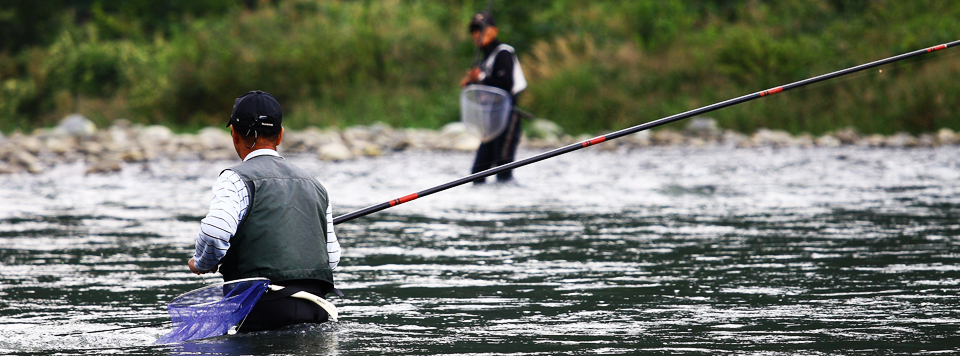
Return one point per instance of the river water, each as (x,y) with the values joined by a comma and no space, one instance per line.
(665,250)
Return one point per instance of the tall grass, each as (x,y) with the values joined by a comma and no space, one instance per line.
(592,66)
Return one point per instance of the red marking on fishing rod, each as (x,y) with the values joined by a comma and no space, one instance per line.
(771,91)
(404,199)
(594,141)
(937,48)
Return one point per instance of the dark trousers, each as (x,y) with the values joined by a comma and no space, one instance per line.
(499,151)
(275,310)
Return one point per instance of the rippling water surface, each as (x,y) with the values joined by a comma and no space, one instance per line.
(654,251)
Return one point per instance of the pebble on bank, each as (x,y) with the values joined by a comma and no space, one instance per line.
(107,150)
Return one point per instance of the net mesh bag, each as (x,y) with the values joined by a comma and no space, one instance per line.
(211,311)
(485,110)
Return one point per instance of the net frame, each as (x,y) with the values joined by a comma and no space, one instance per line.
(485,110)
(213,310)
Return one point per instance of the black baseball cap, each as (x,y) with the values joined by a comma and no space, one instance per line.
(480,21)
(256,111)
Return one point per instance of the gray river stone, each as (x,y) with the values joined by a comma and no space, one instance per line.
(455,136)
(667,137)
(947,137)
(213,138)
(902,140)
(76,125)
(104,150)
(544,129)
(847,136)
(828,141)
(334,152)
(775,138)
(703,127)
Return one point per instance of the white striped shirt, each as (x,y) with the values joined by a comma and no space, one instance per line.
(227,209)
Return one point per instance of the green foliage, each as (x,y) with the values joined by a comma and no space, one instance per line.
(22,22)
(592,66)
(29,22)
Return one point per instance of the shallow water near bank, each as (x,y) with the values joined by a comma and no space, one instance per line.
(666,250)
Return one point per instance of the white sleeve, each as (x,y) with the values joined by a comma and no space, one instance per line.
(333,246)
(227,208)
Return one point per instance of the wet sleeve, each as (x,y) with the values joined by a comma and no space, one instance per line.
(502,74)
(333,246)
(227,208)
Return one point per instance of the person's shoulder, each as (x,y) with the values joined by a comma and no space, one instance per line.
(504,54)
(503,47)
(229,174)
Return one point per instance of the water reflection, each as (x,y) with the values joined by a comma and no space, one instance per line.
(666,251)
(298,340)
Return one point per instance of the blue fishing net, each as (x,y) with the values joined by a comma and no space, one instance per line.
(211,311)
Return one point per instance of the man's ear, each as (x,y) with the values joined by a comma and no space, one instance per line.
(279,137)
(236,137)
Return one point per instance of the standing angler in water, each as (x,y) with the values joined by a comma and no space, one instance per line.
(499,68)
(269,218)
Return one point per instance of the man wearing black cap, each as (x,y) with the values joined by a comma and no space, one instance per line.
(269,218)
(500,68)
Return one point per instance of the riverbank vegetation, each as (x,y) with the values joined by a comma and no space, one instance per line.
(592,66)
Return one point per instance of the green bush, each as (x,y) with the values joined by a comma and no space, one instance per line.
(592,66)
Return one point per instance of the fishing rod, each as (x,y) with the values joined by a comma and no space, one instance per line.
(611,136)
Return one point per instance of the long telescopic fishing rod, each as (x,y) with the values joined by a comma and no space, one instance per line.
(666,120)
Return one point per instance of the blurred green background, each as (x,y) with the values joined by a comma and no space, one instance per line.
(593,66)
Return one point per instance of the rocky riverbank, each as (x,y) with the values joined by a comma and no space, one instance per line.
(108,149)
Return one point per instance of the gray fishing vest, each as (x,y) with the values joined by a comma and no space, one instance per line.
(284,233)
